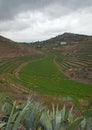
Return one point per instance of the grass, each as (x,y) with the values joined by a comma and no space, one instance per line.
(9,65)
(44,77)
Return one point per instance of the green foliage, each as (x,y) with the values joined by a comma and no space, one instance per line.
(75,124)
(7,106)
(2,124)
(56,120)
(33,116)
(10,64)
(86,123)
(16,115)
(43,76)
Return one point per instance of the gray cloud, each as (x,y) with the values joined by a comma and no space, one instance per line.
(31,20)
(10,8)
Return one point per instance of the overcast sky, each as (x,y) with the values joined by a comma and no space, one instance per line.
(33,20)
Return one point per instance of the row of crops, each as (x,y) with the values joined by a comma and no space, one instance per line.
(9,65)
(79,64)
(8,68)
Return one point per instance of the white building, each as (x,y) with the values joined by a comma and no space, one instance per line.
(63,43)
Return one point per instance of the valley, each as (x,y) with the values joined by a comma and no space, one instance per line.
(51,69)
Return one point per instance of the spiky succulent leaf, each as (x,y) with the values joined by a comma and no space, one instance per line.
(70,115)
(2,124)
(6,108)
(32,116)
(46,121)
(9,125)
(75,124)
(83,124)
(63,113)
(89,124)
(20,116)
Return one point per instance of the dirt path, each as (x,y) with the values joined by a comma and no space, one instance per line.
(19,68)
(22,65)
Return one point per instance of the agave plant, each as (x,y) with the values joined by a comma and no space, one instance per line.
(28,114)
(7,105)
(33,116)
(63,120)
(57,120)
(85,121)
(16,116)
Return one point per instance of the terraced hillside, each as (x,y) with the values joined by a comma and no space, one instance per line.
(76,61)
(43,76)
(56,73)
(9,65)
(12,56)
(8,68)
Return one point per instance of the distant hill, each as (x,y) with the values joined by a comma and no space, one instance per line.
(9,48)
(74,43)
(68,37)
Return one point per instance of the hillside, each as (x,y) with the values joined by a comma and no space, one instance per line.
(64,70)
(74,57)
(9,48)
(69,37)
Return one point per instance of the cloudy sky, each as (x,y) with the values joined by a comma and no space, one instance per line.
(33,20)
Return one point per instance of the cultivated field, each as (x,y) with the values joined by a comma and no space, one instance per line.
(45,77)
(9,67)
(77,65)
(61,71)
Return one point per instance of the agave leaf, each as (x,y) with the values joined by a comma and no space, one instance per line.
(70,115)
(53,118)
(38,116)
(37,119)
(14,116)
(45,121)
(7,105)
(63,112)
(89,124)
(58,119)
(31,115)
(20,117)
(2,124)
(6,108)
(83,124)
(75,124)
(8,127)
